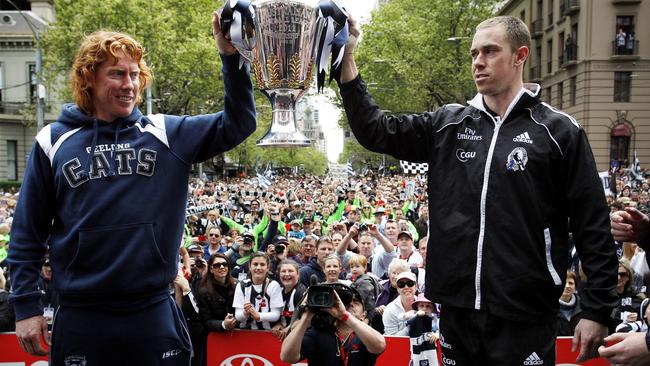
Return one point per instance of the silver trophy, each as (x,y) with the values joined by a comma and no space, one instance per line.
(281,44)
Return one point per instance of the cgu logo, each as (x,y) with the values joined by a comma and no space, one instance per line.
(245,359)
(464,156)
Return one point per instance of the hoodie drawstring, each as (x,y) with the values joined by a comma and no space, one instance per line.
(91,156)
(111,164)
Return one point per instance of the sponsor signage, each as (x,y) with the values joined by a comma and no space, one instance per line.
(261,348)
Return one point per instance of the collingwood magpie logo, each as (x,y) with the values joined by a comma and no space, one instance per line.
(517,160)
(524,137)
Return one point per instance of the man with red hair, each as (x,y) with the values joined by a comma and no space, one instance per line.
(106,190)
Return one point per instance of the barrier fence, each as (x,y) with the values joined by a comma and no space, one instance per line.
(259,348)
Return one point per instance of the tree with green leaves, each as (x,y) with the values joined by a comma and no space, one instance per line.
(414,54)
(181,52)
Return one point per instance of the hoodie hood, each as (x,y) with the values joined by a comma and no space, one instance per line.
(73,115)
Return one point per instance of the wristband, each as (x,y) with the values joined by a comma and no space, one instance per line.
(346,316)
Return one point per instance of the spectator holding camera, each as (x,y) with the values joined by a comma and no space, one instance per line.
(351,342)
(241,257)
(258,299)
(292,293)
(395,315)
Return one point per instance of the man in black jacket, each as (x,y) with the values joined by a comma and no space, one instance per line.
(516,173)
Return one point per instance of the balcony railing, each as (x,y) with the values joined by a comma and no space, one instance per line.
(568,7)
(12,107)
(625,1)
(537,28)
(631,48)
(569,55)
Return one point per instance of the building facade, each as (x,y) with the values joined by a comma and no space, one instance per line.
(19,84)
(592,60)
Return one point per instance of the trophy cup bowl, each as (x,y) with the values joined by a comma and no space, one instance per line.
(282,63)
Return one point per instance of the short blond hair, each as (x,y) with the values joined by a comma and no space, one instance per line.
(96,48)
(358,260)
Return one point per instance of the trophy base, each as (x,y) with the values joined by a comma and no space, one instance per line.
(284,140)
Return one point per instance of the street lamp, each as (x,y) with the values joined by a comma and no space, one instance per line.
(40,88)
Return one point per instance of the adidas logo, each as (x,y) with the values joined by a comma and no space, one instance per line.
(533,359)
(524,137)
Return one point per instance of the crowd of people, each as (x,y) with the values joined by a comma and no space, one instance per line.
(249,255)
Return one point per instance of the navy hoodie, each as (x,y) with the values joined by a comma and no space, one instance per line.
(113,220)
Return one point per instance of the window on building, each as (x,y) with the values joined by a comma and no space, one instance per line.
(560,48)
(620,144)
(550,12)
(549,57)
(625,39)
(560,92)
(574,90)
(547,95)
(522,16)
(12,160)
(540,9)
(622,86)
(31,74)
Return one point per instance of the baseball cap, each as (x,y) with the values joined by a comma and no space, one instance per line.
(195,248)
(248,234)
(296,222)
(380,211)
(280,239)
(307,220)
(405,232)
(408,275)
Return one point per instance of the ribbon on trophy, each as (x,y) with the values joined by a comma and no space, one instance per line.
(238,18)
(332,25)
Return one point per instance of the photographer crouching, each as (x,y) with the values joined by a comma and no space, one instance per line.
(332,329)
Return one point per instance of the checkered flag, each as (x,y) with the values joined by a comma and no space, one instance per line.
(413,168)
(349,168)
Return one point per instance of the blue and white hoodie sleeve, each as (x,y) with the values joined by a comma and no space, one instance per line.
(30,230)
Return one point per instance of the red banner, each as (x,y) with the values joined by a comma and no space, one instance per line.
(260,348)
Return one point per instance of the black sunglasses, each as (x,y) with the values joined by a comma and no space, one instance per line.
(220,265)
(623,274)
(402,284)
(215,235)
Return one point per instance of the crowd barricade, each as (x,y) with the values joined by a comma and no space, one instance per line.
(259,348)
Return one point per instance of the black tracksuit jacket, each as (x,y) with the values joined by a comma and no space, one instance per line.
(503,196)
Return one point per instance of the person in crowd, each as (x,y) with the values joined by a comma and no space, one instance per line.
(621,38)
(258,299)
(316,265)
(240,255)
(422,267)
(629,299)
(307,249)
(423,332)
(630,348)
(213,234)
(292,293)
(383,255)
(186,301)
(395,315)
(95,177)
(7,316)
(351,341)
(512,124)
(333,270)
(568,315)
(406,249)
(296,230)
(214,300)
(365,283)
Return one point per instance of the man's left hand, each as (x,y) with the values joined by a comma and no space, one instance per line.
(588,336)
(224,45)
